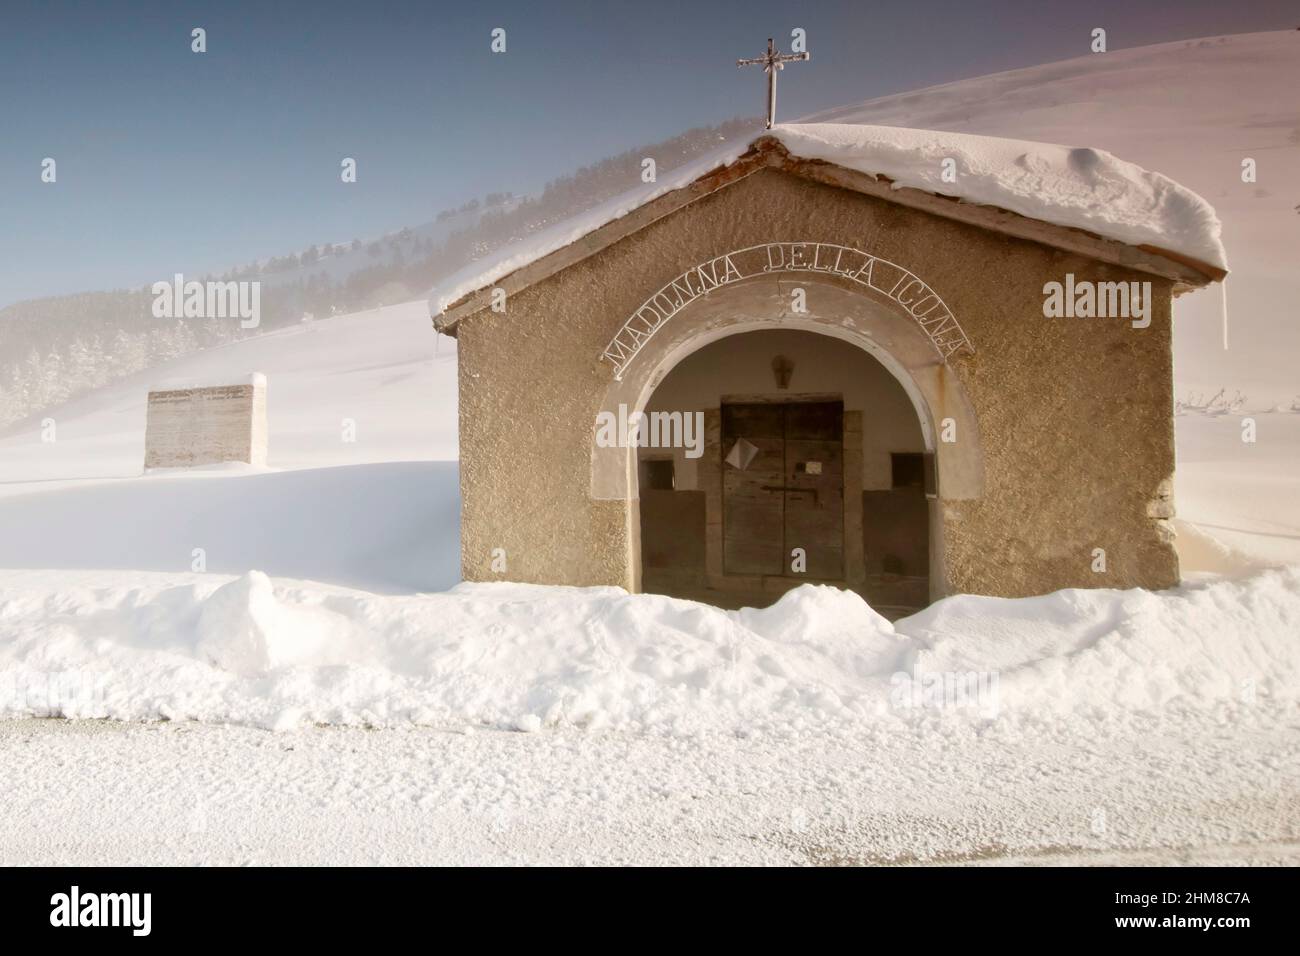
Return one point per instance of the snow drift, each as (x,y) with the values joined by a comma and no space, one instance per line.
(249,650)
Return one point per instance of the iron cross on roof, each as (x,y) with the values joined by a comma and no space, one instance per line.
(772,61)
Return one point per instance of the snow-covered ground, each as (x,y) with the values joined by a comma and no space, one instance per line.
(1245,496)
(1190,788)
(331,701)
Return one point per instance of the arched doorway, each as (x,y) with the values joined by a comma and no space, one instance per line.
(853,320)
(804,459)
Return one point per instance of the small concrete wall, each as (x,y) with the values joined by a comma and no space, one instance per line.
(205,426)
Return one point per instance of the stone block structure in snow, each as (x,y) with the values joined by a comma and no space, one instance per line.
(207,424)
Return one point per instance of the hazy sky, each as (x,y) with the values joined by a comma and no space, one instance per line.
(174,161)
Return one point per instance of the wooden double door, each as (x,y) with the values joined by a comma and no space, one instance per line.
(783,488)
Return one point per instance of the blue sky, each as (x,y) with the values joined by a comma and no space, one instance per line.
(174,161)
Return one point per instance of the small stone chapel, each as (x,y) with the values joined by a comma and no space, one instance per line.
(923,363)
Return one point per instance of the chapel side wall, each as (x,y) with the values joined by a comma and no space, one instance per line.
(1075,415)
(528,389)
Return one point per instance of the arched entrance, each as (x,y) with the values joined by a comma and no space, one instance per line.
(810,465)
(860,429)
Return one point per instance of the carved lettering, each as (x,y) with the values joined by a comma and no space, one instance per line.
(918,299)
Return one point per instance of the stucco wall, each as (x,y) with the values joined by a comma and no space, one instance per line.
(1074,415)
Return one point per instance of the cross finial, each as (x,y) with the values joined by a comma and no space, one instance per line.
(772,61)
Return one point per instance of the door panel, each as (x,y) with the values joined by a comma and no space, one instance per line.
(814,500)
(784,487)
(814,514)
(752,512)
(818,421)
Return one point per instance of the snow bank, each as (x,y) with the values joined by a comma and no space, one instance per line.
(525,657)
(1106,651)
(244,630)
(1077,187)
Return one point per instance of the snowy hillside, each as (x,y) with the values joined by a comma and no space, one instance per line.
(374,367)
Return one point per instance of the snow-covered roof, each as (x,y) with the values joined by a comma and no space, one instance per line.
(1073,187)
